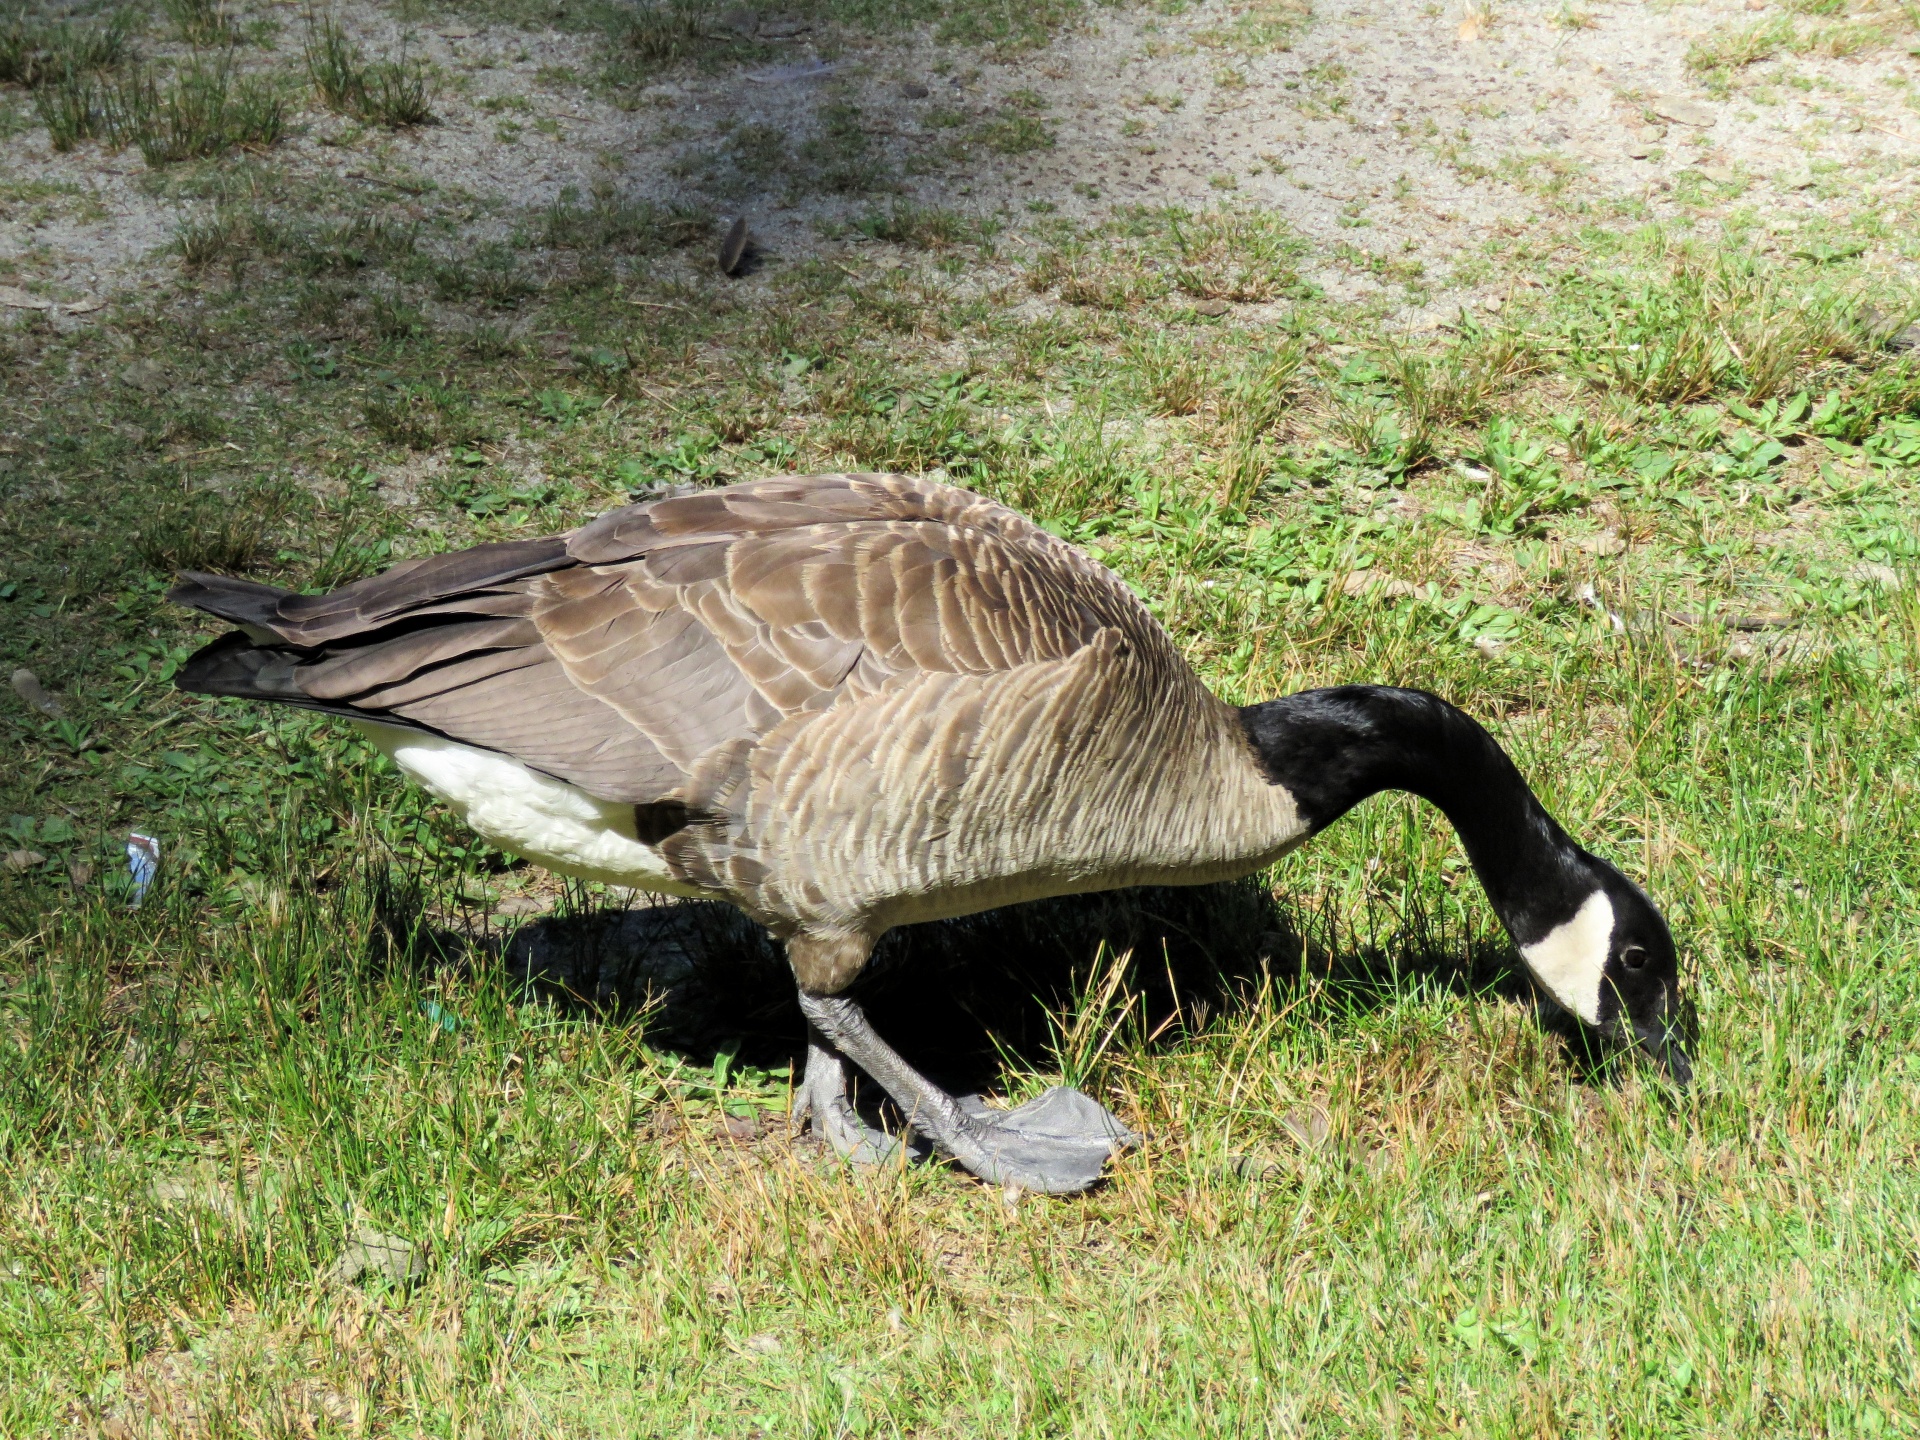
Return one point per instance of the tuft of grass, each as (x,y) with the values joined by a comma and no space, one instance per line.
(391,93)
(1740,46)
(629,225)
(1260,28)
(225,234)
(924,227)
(1718,323)
(209,531)
(72,108)
(1018,133)
(490,272)
(1177,380)
(201,22)
(422,415)
(202,110)
(36,52)
(1008,29)
(659,32)
(236,233)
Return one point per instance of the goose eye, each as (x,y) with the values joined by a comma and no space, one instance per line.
(1634,958)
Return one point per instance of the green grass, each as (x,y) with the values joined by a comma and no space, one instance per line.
(200,22)
(202,110)
(36,50)
(395,93)
(1719,54)
(1654,523)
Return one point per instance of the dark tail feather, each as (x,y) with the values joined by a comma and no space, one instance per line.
(235,665)
(243,602)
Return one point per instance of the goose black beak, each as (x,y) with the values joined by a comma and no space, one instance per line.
(1661,1041)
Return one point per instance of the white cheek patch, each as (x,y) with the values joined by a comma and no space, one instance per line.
(1571,960)
(546,820)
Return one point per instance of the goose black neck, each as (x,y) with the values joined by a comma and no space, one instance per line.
(1333,748)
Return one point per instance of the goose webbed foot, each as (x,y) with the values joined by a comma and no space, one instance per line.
(1057,1144)
(824,1101)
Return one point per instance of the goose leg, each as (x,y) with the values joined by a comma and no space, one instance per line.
(824,1100)
(1057,1144)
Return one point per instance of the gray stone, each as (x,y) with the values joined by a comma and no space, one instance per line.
(1682,111)
(386,1257)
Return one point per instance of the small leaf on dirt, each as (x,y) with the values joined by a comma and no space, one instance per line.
(20,861)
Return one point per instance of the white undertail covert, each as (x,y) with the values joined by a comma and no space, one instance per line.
(529,814)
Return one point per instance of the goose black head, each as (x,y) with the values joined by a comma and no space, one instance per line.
(1613,964)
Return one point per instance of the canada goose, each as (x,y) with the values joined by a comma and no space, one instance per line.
(849,702)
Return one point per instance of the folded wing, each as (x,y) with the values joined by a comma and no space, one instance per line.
(624,656)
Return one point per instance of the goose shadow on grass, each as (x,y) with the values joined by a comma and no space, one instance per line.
(961,998)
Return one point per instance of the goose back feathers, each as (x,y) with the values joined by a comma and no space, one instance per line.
(843,702)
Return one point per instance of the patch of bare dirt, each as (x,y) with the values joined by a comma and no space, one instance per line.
(1394,137)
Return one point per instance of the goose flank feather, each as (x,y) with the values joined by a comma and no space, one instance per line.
(849,702)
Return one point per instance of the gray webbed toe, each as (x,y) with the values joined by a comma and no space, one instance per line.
(1058,1144)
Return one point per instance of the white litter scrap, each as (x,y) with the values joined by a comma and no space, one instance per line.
(143,864)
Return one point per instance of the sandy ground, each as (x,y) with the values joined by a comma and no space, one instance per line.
(1389,127)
